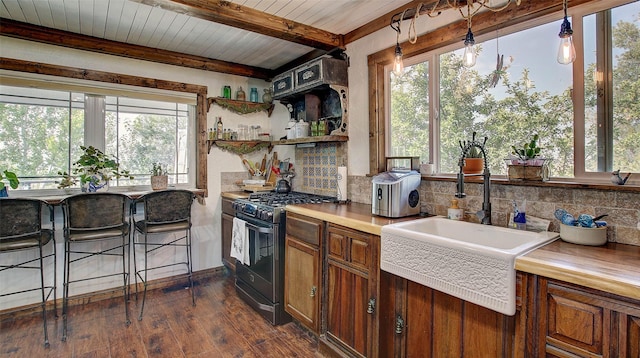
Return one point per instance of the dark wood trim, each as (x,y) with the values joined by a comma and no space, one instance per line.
(110,77)
(50,36)
(227,13)
(482,23)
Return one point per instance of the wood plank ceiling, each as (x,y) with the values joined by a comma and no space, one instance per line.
(254,38)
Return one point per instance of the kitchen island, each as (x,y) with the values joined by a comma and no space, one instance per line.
(572,299)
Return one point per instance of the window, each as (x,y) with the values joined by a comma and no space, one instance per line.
(41,131)
(530,94)
(611,79)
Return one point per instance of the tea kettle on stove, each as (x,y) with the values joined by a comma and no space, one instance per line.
(283,186)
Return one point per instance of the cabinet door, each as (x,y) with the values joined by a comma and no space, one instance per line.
(580,322)
(301,288)
(352,279)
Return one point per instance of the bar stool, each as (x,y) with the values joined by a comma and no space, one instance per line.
(21,229)
(166,211)
(94,217)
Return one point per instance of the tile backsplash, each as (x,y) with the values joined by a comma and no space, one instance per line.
(622,207)
(317,168)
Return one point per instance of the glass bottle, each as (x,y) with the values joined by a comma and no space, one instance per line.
(226,92)
(253,95)
(219,128)
(240,95)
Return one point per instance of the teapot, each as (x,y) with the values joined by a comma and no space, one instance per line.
(283,186)
(617,179)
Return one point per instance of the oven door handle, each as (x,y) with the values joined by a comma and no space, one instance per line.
(264,230)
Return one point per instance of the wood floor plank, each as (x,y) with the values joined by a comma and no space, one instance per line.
(220,325)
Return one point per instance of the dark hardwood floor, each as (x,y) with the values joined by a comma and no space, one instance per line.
(220,325)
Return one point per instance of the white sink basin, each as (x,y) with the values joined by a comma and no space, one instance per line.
(473,262)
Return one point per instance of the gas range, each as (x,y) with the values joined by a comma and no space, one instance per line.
(270,206)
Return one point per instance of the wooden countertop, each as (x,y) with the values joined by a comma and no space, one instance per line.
(613,268)
(235,194)
(353,215)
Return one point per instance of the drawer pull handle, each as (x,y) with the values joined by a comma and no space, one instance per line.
(371,307)
(399,324)
(313,291)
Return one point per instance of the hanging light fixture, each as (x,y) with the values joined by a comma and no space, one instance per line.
(398,65)
(566,50)
(469,57)
(434,9)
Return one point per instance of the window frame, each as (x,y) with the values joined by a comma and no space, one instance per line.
(380,66)
(44,71)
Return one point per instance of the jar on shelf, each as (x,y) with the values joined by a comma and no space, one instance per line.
(226,92)
(240,95)
(267,97)
(243,132)
(253,95)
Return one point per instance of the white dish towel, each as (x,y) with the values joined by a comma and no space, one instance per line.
(240,241)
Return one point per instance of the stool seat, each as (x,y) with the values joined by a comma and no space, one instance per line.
(87,234)
(27,241)
(154,228)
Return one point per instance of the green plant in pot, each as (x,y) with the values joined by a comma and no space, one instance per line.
(12,178)
(159,177)
(525,162)
(473,161)
(528,152)
(94,169)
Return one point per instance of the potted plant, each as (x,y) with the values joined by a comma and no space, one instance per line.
(94,169)
(13,182)
(473,161)
(159,177)
(525,162)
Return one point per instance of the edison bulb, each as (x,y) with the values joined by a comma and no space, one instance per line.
(566,50)
(398,65)
(469,56)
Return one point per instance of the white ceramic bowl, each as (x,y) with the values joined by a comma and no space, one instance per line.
(583,235)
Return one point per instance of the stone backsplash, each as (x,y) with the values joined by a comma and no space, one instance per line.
(622,207)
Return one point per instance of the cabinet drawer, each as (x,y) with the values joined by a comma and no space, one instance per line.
(350,246)
(304,228)
(309,75)
(227,207)
(283,84)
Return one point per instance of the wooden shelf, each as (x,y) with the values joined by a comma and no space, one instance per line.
(240,107)
(239,146)
(320,139)
(249,146)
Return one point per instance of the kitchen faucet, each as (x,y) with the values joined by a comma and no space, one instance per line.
(485,214)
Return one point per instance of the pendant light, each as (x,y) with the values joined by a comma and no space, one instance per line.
(469,57)
(398,65)
(566,50)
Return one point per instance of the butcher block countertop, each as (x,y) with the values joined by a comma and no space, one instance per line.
(353,215)
(613,268)
(235,194)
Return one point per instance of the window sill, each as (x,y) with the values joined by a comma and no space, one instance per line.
(556,183)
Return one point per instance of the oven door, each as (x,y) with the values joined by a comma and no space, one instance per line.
(263,254)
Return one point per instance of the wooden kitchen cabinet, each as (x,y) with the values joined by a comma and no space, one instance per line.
(574,321)
(226,225)
(350,312)
(303,267)
(417,321)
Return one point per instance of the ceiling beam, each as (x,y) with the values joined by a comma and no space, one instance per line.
(227,13)
(50,36)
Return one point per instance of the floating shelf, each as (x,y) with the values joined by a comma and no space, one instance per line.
(250,146)
(240,107)
(239,146)
(320,139)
